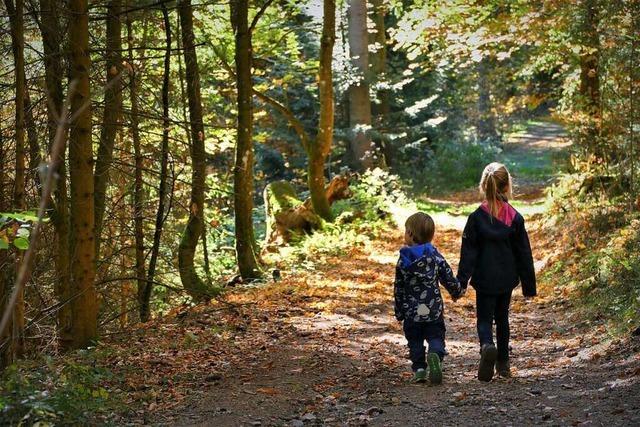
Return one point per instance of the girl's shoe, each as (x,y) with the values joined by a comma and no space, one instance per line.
(419,376)
(488,355)
(435,368)
(503,368)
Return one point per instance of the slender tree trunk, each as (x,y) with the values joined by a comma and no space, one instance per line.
(52,42)
(378,57)
(589,61)
(138,191)
(84,300)
(363,150)
(590,73)
(319,150)
(3,180)
(112,113)
(35,156)
(145,311)
(486,126)
(243,165)
(11,339)
(196,287)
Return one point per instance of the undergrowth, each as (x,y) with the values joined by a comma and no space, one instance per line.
(378,202)
(452,167)
(598,266)
(71,390)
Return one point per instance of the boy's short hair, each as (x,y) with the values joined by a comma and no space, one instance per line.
(421,228)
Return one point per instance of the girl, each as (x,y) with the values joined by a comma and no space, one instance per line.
(496,256)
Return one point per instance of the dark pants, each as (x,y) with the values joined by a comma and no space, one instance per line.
(488,309)
(416,334)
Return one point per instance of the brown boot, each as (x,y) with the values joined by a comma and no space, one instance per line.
(503,368)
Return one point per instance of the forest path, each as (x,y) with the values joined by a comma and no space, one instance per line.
(326,350)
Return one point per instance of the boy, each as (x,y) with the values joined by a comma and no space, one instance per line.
(418,302)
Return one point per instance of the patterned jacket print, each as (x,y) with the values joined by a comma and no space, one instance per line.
(419,271)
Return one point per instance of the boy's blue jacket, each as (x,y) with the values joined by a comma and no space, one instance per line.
(416,290)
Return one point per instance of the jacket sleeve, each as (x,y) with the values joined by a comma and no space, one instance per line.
(468,252)
(524,259)
(446,278)
(399,293)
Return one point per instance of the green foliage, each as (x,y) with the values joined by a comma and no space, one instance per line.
(56,391)
(378,201)
(454,166)
(15,229)
(600,261)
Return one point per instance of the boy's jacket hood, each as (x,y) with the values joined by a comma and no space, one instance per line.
(410,254)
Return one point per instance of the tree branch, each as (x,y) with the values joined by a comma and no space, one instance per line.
(261,12)
(294,122)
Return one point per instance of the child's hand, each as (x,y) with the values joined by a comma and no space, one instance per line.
(460,295)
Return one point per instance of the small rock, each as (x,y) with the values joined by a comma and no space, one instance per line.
(255,423)
(373,411)
(308,417)
(297,423)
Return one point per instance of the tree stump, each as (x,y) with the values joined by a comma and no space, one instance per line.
(287,215)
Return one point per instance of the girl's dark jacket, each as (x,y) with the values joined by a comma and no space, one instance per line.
(495,253)
(416,289)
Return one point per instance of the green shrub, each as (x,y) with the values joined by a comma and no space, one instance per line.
(454,166)
(378,201)
(67,392)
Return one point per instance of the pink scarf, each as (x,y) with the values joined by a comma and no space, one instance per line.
(506,213)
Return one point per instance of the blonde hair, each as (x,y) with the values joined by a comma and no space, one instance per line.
(420,227)
(495,185)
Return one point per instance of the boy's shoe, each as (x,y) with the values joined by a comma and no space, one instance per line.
(488,355)
(419,376)
(435,368)
(503,368)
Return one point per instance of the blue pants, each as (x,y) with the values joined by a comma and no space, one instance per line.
(490,308)
(416,334)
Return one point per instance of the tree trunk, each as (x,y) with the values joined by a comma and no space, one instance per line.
(35,157)
(378,58)
(112,113)
(363,150)
(52,42)
(84,301)
(320,149)
(286,214)
(194,285)
(243,164)
(589,101)
(589,61)
(14,331)
(590,72)
(486,125)
(138,193)
(145,311)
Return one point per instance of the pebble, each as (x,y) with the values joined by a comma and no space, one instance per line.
(308,417)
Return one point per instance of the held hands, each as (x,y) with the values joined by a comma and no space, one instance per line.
(460,295)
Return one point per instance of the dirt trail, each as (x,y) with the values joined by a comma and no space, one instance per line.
(335,355)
